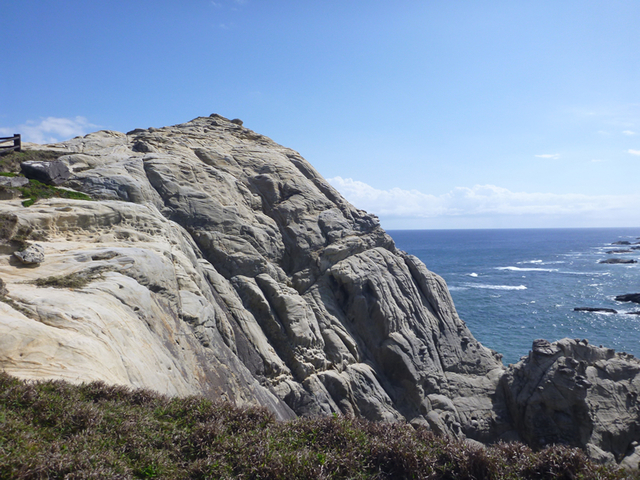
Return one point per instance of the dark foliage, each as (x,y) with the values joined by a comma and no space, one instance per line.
(55,430)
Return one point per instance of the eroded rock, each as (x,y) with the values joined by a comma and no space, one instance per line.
(576,394)
(32,255)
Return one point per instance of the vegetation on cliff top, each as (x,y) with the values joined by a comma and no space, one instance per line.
(57,430)
(10,162)
(10,167)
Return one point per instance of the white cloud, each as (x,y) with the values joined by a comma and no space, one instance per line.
(479,200)
(554,156)
(51,129)
(634,152)
(629,132)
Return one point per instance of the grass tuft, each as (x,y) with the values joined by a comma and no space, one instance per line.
(37,190)
(56,430)
(74,280)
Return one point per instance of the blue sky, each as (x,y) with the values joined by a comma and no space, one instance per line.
(430,114)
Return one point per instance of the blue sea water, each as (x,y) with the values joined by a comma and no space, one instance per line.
(513,286)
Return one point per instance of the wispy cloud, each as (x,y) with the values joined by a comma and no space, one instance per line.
(629,132)
(50,129)
(477,200)
(554,156)
(634,152)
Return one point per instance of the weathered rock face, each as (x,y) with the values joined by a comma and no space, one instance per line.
(574,393)
(216,262)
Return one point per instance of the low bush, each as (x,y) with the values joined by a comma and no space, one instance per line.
(56,430)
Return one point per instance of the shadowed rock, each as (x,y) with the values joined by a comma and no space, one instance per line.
(51,173)
(618,261)
(595,309)
(629,297)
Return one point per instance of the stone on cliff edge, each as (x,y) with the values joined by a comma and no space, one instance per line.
(32,255)
(13,182)
(303,297)
(51,173)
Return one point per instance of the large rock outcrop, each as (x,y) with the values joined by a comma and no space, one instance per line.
(577,394)
(213,261)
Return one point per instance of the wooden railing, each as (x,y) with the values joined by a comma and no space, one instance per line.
(17,143)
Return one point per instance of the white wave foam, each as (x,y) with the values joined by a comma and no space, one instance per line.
(520,269)
(457,289)
(473,274)
(530,261)
(495,287)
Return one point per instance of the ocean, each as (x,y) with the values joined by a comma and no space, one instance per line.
(512,286)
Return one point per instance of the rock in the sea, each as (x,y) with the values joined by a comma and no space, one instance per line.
(629,297)
(618,261)
(595,309)
(31,255)
(51,173)
(618,251)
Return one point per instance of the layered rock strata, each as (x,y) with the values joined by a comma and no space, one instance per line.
(213,261)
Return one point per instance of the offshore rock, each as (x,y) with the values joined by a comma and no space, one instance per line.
(629,297)
(595,309)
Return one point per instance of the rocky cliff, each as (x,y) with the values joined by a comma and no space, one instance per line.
(213,261)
